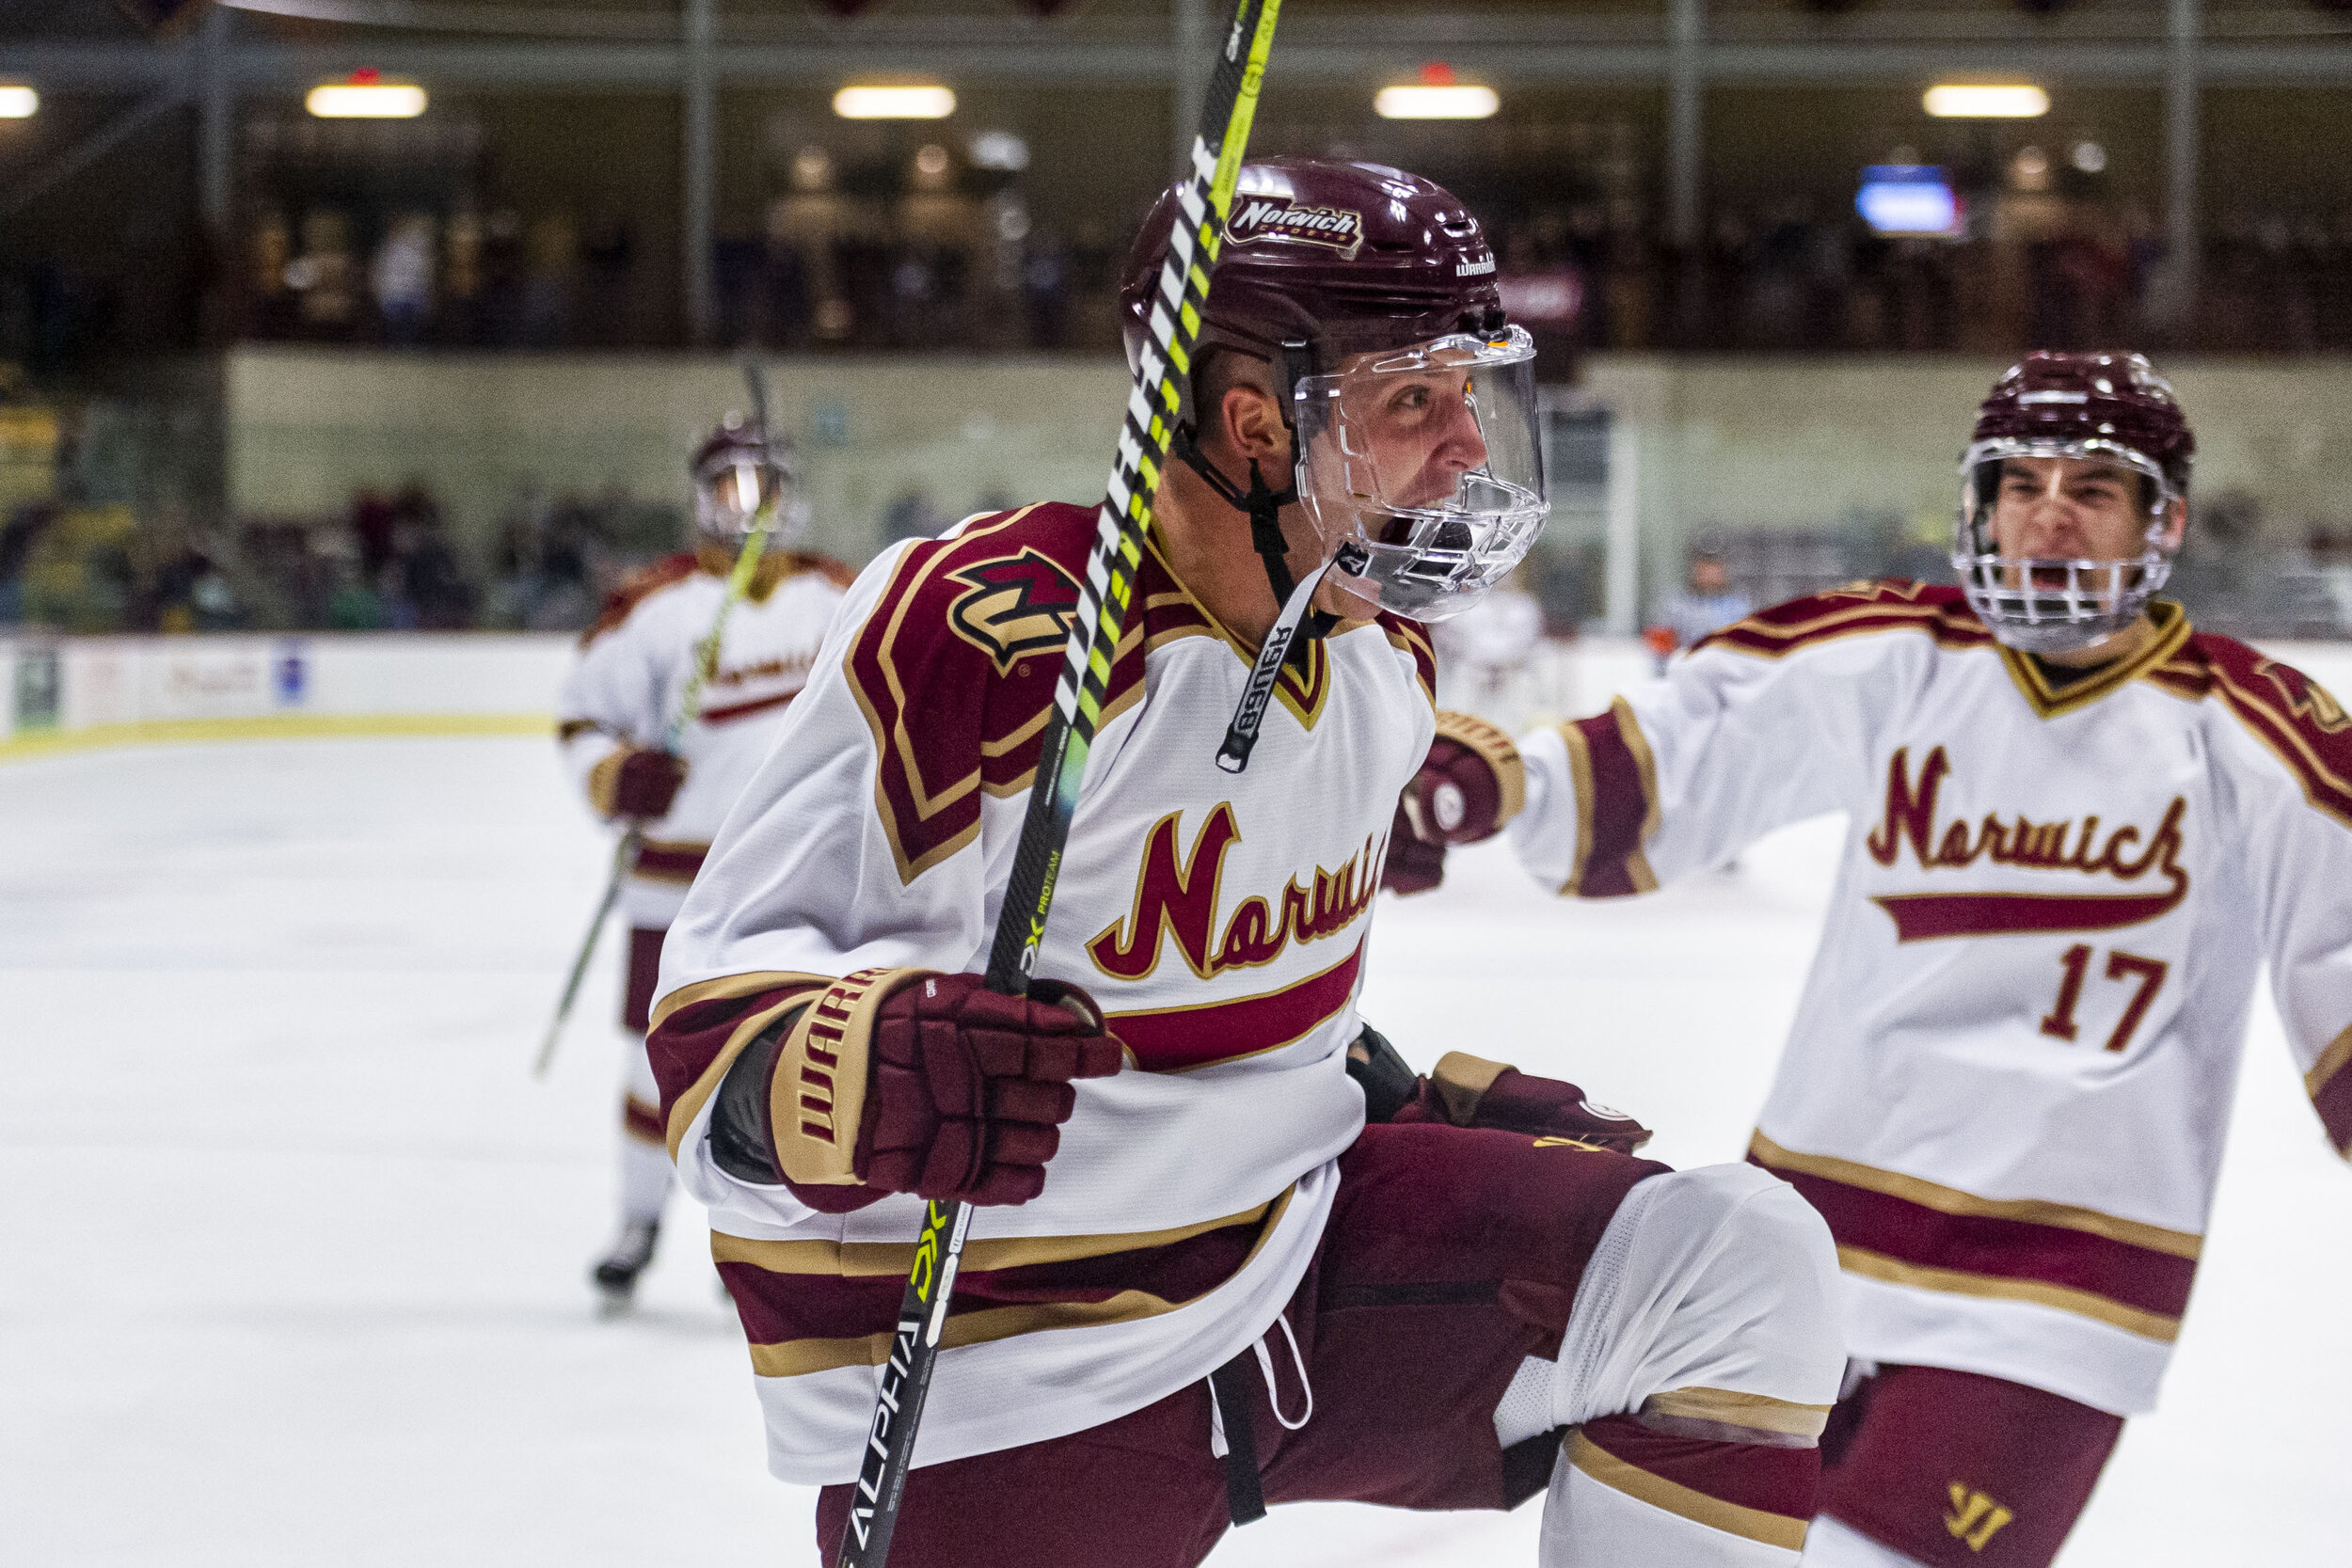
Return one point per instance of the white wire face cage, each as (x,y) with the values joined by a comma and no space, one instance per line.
(1380,445)
(2049,605)
(742,489)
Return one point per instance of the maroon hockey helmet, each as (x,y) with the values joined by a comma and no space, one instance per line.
(1343,256)
(742,474)
(2110,408)
(1354,281)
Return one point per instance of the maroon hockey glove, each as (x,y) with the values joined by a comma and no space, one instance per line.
(971,1088)
(1470,785)
(911,1081)
(1468,1091)
(637,781)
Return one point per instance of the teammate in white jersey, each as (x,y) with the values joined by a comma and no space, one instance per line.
(613,722)
(1179,1190)
(2078,828)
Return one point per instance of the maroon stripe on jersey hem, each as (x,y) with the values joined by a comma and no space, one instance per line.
(2134,1276)
(1620,806)
(1768,1479)
(2333,1102)
(745,710)
(664,864)
(1185,1038)
(777,1309)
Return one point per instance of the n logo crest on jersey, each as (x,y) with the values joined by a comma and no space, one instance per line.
(1278,217)
(1014,606)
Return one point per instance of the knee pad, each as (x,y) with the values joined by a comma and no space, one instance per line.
(1713,1300)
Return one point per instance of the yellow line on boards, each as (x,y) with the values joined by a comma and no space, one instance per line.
(290,726)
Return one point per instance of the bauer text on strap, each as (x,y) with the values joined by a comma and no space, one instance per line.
(1241,736)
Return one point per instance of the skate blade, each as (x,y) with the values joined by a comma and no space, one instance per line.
(614,1303)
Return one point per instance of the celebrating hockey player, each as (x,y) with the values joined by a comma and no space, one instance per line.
(615,716)
(2077,828)
(1198,1281)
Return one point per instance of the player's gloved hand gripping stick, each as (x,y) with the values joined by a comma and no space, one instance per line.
(1153,406)
(690,707)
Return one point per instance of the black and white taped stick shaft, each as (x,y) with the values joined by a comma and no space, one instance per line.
(1152,409)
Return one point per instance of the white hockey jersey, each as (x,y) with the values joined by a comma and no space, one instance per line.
(2012,1069)
(631,678)
(1218,919)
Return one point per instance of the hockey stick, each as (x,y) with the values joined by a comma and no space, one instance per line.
(689,705)
(1153,408)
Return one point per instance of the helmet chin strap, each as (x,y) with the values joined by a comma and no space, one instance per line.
(1264,506)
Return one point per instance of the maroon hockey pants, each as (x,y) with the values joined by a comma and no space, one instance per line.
(1451,1255)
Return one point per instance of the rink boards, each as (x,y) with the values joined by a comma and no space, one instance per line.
(72,693)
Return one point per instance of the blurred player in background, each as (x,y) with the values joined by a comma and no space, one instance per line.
(613,721)
(1486,655)
(1198,1282)
(2078,828)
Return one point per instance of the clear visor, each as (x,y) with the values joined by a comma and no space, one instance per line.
(1429,458)
(2068,597)
(736,494)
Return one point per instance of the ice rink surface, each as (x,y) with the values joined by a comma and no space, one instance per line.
(292,1246)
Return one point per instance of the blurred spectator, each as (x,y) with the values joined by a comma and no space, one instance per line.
(911,516)
(19,534)
(550,258)
(373,520)
(1705,602)
(402,277)
(542,561)
(424,588)
(607,307)
(325,277)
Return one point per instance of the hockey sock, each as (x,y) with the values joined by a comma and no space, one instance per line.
(1629,1495)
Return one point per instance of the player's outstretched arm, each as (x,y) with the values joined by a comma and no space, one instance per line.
(2293,770)
(1764,724)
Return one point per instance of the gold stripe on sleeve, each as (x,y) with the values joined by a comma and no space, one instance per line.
(1580,780)
(1629,730)
(688,1105)
(727,986)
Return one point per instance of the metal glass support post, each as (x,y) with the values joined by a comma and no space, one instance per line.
(1685,85)
(216,123)
(1621,558)
(2180,76)
(699,174)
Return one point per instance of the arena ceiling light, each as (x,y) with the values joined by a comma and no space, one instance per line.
(365,96)
(1986,101)
(907,101)
(18,103)
(1436,95)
